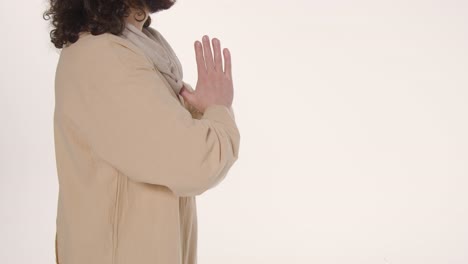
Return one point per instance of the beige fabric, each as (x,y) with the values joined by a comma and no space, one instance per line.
(159,51)
(131,157)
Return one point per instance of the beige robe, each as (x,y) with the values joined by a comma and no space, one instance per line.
(131,157)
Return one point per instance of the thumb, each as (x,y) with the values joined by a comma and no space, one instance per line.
(187,95)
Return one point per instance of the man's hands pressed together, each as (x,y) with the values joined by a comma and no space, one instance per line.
(214,85)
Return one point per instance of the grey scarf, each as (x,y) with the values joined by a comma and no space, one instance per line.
(155,46)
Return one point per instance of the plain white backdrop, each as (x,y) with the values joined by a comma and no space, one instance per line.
(353,119)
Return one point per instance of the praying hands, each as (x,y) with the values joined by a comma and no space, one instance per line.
(214,85)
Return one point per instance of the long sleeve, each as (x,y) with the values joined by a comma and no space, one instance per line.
(140,128)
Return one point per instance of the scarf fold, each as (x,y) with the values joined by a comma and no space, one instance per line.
(159,51)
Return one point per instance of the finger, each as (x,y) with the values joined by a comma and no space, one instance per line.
(207,52)
(201,68)
(218,63)
(227,63)
(188,96)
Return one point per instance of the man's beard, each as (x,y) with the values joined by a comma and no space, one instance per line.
(158,5)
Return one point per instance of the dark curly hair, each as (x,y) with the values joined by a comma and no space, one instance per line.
(70,17)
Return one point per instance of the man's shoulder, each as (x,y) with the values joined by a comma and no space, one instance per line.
(103,40)
(106,50)
(99,64)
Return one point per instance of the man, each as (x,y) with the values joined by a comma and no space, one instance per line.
(132,154)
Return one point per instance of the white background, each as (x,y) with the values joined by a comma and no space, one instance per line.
(353,119)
